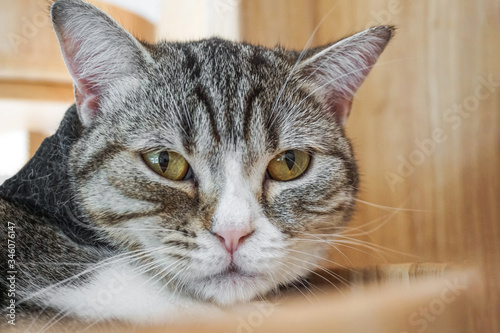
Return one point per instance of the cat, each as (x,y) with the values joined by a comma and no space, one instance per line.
(186,176)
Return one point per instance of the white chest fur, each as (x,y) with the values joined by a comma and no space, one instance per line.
(119,292)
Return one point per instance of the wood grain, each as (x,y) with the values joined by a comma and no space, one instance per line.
(415,150)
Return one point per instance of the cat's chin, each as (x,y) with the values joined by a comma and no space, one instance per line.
(232,286)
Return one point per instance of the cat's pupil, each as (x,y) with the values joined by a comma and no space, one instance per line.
(290,159)
(164,160)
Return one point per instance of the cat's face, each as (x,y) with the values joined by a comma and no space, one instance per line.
(215,104)
(228,229)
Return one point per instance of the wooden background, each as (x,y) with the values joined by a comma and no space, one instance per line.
(424,125)
(425,128)
(35,87)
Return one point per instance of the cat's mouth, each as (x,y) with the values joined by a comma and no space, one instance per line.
(231,284)
(234,271)
(232,274)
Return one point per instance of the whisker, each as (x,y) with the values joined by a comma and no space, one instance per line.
(376,256)
(398,209)
(353,241)
(54,320)
(313,272)
(160,273)
(54,263)
(331,242)
(336,228)
(376,247)
(381,225)
(108,261)
(323,240)
(336,276)
(387,219)
(141,229)
(171,279)
(323,259)
(292,282)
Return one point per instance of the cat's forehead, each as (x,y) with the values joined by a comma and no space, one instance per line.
(220,55)
(214,96)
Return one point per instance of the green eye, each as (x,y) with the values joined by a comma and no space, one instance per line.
(167,164)
(288,165)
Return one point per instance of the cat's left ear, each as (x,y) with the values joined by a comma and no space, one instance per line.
(338,70)
(102,57)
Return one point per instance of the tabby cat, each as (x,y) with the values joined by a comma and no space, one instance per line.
(187,175)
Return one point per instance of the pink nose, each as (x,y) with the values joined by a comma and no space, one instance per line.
(232,239)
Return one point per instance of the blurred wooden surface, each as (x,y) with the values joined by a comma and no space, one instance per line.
(196,19)
(425,126)
(384,298)
(35,139)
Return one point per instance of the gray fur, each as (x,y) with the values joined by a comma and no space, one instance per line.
(214,102)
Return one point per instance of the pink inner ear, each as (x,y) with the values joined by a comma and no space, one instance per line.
(342,111)
(87,91)
(340,107)
(88,104)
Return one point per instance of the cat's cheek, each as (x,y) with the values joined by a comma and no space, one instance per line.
(112,199)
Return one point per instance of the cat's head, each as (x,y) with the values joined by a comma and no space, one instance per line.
(216,163)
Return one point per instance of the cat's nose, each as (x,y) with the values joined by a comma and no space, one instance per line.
(232,239)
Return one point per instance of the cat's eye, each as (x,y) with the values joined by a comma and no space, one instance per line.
(288,165)
(168,164)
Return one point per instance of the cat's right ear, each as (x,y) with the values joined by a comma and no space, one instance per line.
(337,70)
(98,53)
